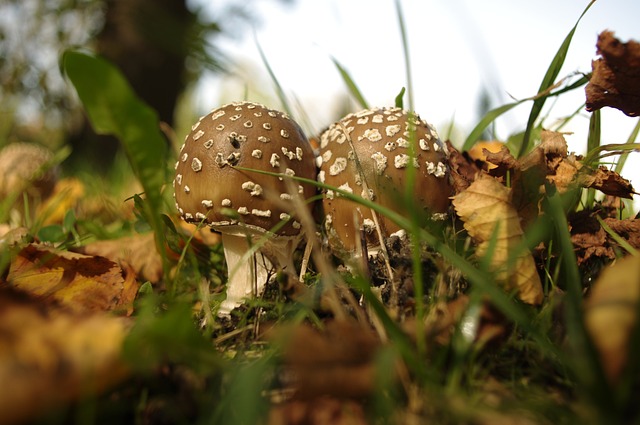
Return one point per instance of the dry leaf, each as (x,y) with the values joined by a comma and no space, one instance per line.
(615,81)
(463,168)
(83,283)
(610,313)
(591,241)
(50,356)
(483,206)
(481,150)
(66,195)
(319,411)
(338,361)
(483,326)
(139,251)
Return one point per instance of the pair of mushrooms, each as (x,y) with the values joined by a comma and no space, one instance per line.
(366,153)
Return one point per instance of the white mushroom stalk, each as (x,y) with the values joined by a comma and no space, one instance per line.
(208,187)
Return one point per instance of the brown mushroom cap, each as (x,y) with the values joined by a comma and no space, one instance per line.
(26,167)
(380,140)
(247,135)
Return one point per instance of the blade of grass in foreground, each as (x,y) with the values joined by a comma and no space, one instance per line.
(593,143)
(548,81)
(584,362)
(351,85)
(113,108)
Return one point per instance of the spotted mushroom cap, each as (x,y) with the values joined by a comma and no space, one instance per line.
(380,140)
(208,187)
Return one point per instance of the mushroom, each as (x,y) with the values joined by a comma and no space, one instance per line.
(26,168)
(245,206)
(368,154)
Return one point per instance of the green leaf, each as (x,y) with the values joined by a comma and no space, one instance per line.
(52,233)
(113,108)
(490,117)
(351,85)
(548,81)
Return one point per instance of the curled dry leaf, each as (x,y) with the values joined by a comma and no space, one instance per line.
(463,168)
(615,81)
(51,356)
(611,314)
(591,241)
(485,209)
(81,282)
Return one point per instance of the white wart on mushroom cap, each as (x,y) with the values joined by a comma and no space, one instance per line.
(380,140)
(247,135)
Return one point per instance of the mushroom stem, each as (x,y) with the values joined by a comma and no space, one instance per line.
(247,276)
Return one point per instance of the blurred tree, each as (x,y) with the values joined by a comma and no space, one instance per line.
(160,46)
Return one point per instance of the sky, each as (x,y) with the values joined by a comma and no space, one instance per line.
(458,49)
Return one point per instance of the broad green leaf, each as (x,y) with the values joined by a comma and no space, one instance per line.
(351,85)
(548,81)
(113,108)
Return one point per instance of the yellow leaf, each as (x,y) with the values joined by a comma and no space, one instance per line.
(81,282)
(484,205)
(51,356)
(610,313)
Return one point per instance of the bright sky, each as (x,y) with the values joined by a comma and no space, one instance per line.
(457,47)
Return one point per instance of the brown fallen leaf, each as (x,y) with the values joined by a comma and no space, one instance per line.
(338,361)
(611,314)
(319,411)
(484,326)
(138,250)
(591,241)
(615,80)
(82,283)
(50,356)
(463,168)
(485,206)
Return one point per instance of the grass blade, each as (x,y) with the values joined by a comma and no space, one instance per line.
(632,138)
(279,91)
(399,99)
(493,114)
(351,85)
(407,56)
(593,143)
(548,80)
